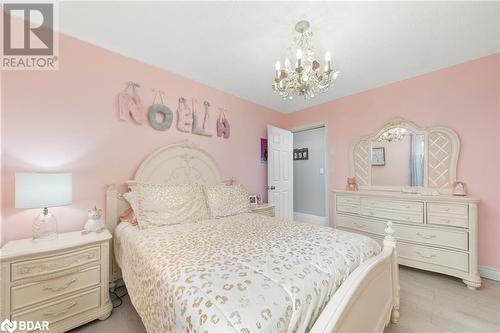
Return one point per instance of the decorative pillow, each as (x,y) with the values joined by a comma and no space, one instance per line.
(128,216)
(159,204)
(226,200)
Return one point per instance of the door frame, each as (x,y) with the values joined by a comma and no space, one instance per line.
(311,126)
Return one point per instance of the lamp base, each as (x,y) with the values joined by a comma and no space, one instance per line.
(45,227)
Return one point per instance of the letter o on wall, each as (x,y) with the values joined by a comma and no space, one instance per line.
(167,116)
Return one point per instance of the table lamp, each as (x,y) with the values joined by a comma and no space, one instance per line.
(44,190)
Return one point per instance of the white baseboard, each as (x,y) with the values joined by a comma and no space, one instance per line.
(489,273)
(309,218)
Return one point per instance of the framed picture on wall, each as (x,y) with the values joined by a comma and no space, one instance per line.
(378,156)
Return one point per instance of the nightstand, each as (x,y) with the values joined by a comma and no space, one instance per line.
(63,281)
(263,209)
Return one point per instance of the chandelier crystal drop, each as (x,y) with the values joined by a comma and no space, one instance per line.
(303,77)
(393,135)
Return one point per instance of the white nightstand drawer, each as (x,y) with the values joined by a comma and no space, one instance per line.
(31,293)
(263,209)
(59,310)
(31,268)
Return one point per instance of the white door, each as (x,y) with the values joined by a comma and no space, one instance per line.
(280,171)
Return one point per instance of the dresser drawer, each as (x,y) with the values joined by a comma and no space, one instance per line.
(364,225)
(59,310)
(445,238)
(345,208)
(393,215)
(449,220)
(447,208)
(445,258)
(403,206)
(31,293)
(53,264)
(348,199)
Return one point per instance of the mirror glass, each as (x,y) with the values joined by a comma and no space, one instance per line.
(398,158)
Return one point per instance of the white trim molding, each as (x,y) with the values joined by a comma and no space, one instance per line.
(489,273)
(309,218)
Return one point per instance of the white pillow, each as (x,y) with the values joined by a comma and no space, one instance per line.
(226,200)
(159,204)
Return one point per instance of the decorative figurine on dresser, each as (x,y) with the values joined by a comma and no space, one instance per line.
(436,230)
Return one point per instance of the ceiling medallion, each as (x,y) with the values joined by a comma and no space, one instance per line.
(304,77)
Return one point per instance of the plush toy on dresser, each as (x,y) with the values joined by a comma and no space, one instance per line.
(94,223)
(352,185)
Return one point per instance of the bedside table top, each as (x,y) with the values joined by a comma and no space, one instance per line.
(66,240)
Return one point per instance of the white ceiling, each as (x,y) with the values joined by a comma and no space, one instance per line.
(233,45)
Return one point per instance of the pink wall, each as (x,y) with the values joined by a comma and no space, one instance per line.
(464,97)
(65,120)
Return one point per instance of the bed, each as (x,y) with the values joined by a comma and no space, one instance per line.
(248,272)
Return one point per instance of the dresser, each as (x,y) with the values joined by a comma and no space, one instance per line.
(434,233)
(263,209)
(62,282)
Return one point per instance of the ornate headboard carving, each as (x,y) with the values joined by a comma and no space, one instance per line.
(442,149)
(178,163)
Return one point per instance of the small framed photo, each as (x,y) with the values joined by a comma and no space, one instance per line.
(378,156)
(252,199)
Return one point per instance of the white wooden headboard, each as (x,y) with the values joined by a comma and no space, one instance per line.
(178,163)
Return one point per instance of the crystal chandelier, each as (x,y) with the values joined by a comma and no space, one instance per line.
(393,135)
(304,77)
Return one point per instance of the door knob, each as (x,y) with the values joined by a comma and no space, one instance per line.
(271,188)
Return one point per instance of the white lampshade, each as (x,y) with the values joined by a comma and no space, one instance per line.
(43,190)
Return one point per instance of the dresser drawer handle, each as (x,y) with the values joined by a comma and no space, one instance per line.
(60,312)
(426,256)
(425,236)
(59,288)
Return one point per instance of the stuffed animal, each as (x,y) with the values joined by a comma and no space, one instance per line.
(94,223)
(351,184)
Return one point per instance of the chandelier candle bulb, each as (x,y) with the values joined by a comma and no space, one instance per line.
(328,59)
(299,58)
(277,66)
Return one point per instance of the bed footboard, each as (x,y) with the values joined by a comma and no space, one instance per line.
(369,298)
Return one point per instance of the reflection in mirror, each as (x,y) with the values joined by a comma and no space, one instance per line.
(398,158)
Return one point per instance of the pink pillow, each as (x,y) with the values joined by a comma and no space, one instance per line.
(129,215)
